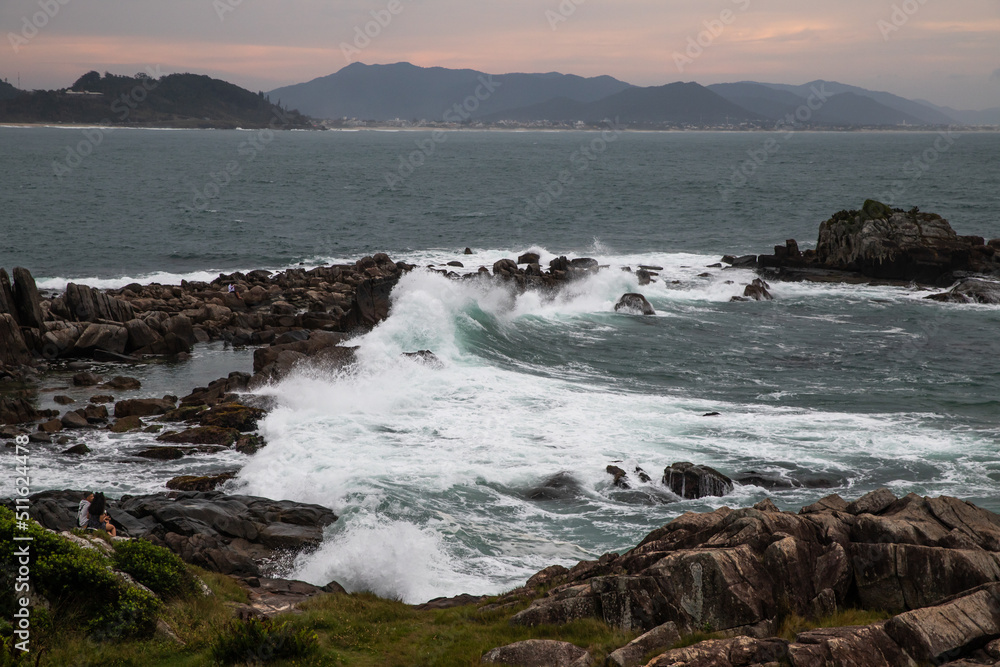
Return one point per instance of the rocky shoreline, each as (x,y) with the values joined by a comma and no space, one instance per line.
(737,573)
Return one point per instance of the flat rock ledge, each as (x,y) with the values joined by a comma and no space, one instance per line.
(230,534)
(932,563)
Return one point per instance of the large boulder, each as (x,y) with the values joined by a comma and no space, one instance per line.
(17,411)
(692,481)
(13,349)
(107,337)
(7,296)
(635,304)
(143,407)
(26,299)
(88,304)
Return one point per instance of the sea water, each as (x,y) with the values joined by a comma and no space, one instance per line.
(432,467)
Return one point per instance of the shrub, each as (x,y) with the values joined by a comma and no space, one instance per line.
(159,569)
(78,581)
(259,641)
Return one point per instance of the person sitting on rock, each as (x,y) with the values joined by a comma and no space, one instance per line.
(234,290)
(97,517)
(84,512)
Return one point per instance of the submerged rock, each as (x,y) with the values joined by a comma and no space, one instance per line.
(559,486)
(692,481)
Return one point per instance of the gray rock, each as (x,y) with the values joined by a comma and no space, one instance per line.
(631,655)
(635,304)
(538,653)
(690,481)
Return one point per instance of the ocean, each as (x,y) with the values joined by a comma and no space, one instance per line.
(433,468)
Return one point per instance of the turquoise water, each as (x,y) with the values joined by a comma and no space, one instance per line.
(431,468)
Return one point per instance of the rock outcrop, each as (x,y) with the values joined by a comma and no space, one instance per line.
(879,243)
(691,481)
(237,535)
(741,572)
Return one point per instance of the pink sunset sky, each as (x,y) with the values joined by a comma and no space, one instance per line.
(944,52)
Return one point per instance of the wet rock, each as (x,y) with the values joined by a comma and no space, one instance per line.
(425,356)
(468,251)
(98,399)
(971,290)
(506,267)
(74,420)
(51,426)
(620,477)
(40,438)
(63,400)
(77,450)
(164,453)
(559,486)
(757,291)
(141,336)
(249,444)
(126,424)
(142,407)
(232,416)
(691,481)
(194,483)
(635,304)
(202,435)
(123,383)
(17,411)
(529,258)
(86,379)
(456,264)
(538,653)
(644,277)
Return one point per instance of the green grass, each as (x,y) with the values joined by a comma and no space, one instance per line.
(792,625)
(359,629)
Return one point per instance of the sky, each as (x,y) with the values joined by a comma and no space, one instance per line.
(944,51)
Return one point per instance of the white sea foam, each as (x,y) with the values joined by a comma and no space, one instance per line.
(405,448)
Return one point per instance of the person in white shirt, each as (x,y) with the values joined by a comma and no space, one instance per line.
(83,515)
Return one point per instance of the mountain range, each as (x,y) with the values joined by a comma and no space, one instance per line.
(403,91)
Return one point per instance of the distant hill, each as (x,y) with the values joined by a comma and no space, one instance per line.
(7,91)
(845,106)
(408,92)
(174,100)
(919,112)
(984,117)
(675,103)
